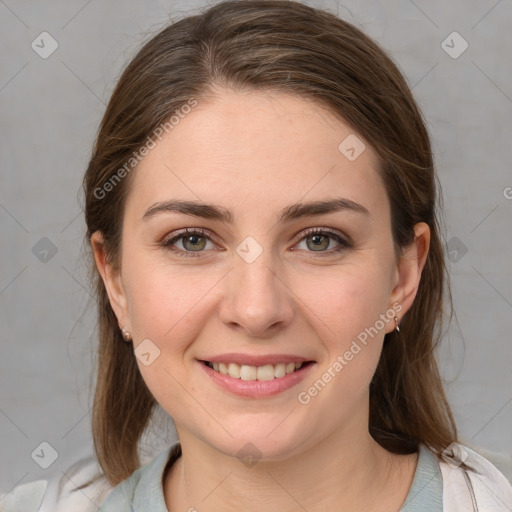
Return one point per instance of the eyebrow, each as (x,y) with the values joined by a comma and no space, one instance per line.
(287,214)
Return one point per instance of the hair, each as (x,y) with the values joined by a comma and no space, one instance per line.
(287,47)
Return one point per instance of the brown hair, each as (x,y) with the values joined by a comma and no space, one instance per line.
(284,46)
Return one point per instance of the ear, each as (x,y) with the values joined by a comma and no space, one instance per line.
(409,269)
(112,280)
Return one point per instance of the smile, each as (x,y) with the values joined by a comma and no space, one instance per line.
(256,376)
(260,373)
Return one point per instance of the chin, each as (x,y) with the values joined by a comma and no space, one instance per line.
(258,446)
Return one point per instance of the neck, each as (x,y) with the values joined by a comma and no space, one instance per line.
(340,473)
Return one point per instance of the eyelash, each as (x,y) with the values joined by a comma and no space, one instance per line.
(168,243)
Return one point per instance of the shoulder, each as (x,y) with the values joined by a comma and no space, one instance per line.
(84,488)
(142,490)
(27,497)
(80,488)
(483,488)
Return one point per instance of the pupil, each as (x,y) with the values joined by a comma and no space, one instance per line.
(193,241)
(318,241)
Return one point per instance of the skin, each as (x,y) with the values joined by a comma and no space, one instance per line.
(255,153)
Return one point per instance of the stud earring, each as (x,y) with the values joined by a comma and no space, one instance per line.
(397,329)
(126,334)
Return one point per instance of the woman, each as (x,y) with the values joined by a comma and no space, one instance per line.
(261,207)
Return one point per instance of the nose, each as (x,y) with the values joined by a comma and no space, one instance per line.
(257,299)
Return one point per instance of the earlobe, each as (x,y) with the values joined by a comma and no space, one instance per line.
(410,267)
(111,279)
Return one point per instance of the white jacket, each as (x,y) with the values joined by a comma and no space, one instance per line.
(463,491)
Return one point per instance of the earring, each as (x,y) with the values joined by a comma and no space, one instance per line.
(126,334)
(397,329)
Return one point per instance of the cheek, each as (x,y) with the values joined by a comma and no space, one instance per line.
(171,307)
(167,308)
(347,306)
(159,296)
(347,317)
(347,300)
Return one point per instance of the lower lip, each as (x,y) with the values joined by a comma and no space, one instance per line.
(257,388)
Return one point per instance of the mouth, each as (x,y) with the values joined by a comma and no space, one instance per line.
(257,373)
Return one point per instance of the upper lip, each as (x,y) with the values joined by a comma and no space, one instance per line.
(254,360)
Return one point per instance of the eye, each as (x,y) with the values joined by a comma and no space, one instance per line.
(191,240)
(319,240)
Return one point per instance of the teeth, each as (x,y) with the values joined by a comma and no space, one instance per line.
(265,372)
(280,370)
(234,370)
(246,372)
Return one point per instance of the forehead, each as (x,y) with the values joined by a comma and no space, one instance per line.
(256,151)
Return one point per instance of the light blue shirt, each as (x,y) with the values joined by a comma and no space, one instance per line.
(426,492)
(143,490)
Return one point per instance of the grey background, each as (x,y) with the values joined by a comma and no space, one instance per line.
(50,111)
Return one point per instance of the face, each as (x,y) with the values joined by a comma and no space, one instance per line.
(258,284)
